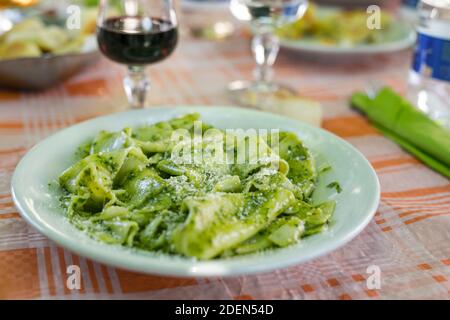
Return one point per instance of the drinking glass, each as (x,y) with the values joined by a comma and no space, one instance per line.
(137,33)
(265,17)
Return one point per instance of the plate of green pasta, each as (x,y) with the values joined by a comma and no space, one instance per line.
(196,191)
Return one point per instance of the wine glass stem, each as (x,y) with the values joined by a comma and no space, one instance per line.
(265,48)
(136,86)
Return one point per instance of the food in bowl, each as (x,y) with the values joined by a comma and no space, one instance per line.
(330,26)
(33,38)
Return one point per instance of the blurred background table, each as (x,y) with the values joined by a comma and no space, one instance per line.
(408,238)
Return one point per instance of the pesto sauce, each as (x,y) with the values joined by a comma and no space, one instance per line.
(123,192)
(335,185)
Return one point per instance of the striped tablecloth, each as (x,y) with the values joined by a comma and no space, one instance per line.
(409,238)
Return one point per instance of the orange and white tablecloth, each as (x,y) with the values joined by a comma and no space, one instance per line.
(409,238)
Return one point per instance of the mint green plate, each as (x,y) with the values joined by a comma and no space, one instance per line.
(356,204)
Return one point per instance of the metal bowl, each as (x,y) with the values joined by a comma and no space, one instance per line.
(40,73)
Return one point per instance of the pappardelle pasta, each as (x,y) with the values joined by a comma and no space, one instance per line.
(130,188)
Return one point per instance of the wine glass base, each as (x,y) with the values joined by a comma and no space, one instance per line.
(258,95)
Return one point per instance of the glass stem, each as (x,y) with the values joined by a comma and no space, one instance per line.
(265,48)
(136,86)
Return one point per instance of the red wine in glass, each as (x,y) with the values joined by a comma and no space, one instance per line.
(137,40)
(137,33)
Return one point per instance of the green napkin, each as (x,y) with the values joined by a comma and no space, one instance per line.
(397,119)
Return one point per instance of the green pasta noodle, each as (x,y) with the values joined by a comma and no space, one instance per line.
(133,188)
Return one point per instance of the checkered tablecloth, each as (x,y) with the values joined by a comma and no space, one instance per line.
(409,238)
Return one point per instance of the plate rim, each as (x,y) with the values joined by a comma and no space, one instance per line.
(69,243)
(305,47)
(204,6)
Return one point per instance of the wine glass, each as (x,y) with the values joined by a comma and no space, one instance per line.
(137,33)
(265,16)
